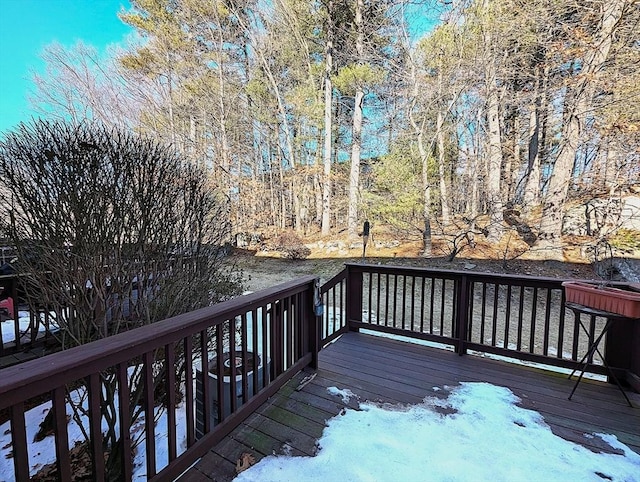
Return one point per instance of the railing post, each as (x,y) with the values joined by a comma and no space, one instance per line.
(313,298)
(462,314)
(276,341)
(354,296)
(622,337)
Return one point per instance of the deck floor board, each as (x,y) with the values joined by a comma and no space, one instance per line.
(390,371)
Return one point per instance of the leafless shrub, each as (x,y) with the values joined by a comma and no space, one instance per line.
(113,231)
(291,246)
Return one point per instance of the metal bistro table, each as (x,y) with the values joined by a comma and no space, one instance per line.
(593,347)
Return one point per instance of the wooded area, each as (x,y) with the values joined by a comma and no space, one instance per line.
(466,116)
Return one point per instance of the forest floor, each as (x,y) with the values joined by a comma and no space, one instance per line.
(264,269)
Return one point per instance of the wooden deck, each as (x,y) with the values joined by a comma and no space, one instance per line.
(380,369)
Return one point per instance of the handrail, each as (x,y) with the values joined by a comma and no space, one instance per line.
(277,324)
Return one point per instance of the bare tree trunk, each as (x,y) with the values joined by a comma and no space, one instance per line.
(513,165)
(354,176)
(328,97)
(444,190)
(272,195)
(426,189)
(537,126)
(191,149)
(531,195)
(494,194)
(418,130)
(172,126)
(495,228)
(222,115)
(476,170)
(283,197)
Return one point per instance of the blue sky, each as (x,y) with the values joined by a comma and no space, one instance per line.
(27,26)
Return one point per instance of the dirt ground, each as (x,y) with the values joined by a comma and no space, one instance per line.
(263,270)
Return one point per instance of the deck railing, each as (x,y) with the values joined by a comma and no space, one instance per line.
(153,383)
(518,317)
(334,303)
(165,377)
(22,327)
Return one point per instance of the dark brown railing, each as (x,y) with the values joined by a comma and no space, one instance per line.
(334,302)
(160,368)
(269,336)
(523,318)
(25,328)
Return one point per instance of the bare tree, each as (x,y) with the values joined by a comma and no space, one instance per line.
(578,104)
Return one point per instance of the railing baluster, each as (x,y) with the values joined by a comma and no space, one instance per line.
(431,304)
(334,310)
(170,371)
(494,319)
(547,319)
(59,407)
(220,389)
(472,304)
(204,377)
(507,318)
(266,345)
(413,302)
(324,323)
(343,309)
(404,302)
(461,317)
(370,294)
(378,300)
(276,337)
(19,442)
(483,311)
(454,307)
(534,317)
(592,334)
(394,316)
(255,350)
(576,336)
(520,318)
(289,314)
(561,326)
(16,327)
(302,328)
(442,304)
(95,426)
(422,304)
(386,300)
(295,303)
(125,420)
(188,380)
(233,385)
(245,357)
(149,419)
